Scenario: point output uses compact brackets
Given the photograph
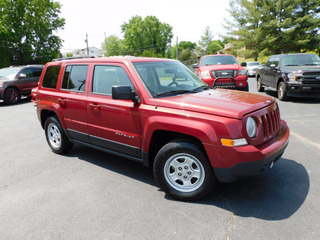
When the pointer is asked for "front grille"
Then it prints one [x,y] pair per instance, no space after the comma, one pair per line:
[271,123]
[224,73]
[311,78]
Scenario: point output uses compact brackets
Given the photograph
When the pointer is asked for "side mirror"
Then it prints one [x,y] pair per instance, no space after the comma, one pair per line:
[243,64]
[22,75]
[195,66]
[124,93]
[273,67]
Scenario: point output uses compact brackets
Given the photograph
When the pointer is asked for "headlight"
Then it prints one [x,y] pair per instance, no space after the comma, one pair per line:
[205,74]
[242,72]
[1,84]
[251,127]
[293,77]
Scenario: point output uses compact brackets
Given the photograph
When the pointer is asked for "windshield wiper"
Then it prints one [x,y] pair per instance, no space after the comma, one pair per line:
[174,92]
[204,87]
[310,64]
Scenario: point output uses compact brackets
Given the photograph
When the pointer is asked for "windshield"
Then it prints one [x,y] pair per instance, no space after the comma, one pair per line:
[218,60]
[168,78]
[9,72]
[253,64]
[300,60]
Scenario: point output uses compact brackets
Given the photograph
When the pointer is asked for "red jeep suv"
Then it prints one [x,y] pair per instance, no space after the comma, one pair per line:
[159,113]
[222,71]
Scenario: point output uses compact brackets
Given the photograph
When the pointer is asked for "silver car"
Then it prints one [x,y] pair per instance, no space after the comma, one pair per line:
[251,67]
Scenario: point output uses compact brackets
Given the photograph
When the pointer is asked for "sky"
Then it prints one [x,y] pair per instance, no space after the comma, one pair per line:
[103,18]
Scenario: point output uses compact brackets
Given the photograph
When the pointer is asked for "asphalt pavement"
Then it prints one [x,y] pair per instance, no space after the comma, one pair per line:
[88,194]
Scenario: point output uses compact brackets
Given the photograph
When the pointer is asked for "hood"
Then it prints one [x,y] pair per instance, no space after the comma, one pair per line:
[221,102]
[221,67]
[311,68]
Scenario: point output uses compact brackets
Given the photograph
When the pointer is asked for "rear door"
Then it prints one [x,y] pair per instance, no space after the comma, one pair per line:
[72,100]
[113,124]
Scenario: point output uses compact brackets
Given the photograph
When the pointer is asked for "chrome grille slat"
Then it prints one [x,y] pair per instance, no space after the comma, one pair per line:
[270,123]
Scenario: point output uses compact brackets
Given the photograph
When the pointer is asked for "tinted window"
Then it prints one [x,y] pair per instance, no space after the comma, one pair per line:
[75,78]
[27,72]
[36,72]
[104,77]
[50,78]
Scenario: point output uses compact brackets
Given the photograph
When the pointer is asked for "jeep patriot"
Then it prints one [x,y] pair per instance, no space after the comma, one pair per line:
[159,113]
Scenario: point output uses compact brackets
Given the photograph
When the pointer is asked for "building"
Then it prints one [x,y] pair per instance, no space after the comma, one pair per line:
[93,51]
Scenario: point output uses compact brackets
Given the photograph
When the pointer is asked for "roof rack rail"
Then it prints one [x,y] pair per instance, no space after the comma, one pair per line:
[70,58]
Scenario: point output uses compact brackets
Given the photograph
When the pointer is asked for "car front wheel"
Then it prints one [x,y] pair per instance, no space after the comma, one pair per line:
[183,171]
[282,92]
[56,137]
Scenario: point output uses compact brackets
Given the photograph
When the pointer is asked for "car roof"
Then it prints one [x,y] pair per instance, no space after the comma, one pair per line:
[108,59]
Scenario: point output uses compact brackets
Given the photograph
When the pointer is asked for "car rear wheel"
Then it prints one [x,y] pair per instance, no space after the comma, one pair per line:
[282,91]
[260,88]
[56,137]
[12,96]
[183,171]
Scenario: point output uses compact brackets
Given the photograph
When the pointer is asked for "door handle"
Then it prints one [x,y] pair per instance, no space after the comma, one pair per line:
[62,102]
[94,106]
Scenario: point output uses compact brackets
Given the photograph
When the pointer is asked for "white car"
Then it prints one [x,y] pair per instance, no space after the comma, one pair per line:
[251,67]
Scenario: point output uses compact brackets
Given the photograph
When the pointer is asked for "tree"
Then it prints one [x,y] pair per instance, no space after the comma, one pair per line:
[215,46]
[205,41]
[274,26]
[27,27]
[113,46]
[147,34]
[183,45]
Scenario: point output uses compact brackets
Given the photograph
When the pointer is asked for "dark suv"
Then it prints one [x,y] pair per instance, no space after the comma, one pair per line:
[159,113]
[18,81]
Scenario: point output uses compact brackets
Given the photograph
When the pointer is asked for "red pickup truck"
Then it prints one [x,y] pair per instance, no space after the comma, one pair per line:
[222,71]
[159,113]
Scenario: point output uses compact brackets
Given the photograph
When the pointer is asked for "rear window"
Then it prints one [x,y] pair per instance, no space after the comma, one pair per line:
[50,78]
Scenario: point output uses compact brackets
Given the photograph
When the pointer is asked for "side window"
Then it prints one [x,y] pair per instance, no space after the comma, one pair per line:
[36,72]
[104,77]
[75,78]
[276,61]
[50,78]
[270,61]
[27,72]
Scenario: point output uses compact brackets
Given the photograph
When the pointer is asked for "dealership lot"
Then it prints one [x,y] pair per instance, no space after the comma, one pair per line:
[89,194]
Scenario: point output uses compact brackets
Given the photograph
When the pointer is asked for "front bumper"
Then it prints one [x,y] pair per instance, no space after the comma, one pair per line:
[252,160]
[303,89]
[239,82]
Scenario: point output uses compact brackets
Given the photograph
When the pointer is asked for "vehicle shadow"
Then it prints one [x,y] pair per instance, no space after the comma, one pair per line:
[22,101]
[274,195]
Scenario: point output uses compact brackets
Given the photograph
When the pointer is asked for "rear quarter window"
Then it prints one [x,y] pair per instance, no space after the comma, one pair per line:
[50,78]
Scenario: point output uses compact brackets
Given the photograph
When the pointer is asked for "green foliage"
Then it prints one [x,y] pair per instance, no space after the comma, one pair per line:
[203,44]
[215,46]
[274,26]
[113,46]
[26,30]
[185,46]
[147,34]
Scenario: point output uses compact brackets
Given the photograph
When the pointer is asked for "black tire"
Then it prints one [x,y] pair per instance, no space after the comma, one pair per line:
[245,89]
[282,91]
[11,96]
[260,88]
[56,137]
[183,171]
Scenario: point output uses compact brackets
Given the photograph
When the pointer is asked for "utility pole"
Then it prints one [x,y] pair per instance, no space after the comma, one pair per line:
[87,44]
[177,48]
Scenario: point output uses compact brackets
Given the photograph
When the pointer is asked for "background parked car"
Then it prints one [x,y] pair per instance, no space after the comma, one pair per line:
[251,67]
[222,71]
[18,81]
